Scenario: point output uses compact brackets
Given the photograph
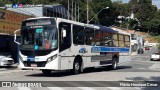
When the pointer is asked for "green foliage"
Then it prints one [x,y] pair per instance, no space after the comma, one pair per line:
[99,8]
[144,11]
[133,5]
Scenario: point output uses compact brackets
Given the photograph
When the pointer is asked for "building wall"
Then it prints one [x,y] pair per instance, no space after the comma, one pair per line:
[34,11]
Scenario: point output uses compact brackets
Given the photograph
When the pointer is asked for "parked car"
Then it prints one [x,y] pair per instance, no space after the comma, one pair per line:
[140,51]
[150,45]
[147,48]
[155,56]
[6,60]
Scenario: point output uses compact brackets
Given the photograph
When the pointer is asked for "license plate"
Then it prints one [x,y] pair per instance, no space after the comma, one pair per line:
[33,65]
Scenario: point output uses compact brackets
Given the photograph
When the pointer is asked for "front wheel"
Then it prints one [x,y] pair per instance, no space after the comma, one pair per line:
[114,63]
[46,72]
[77,67]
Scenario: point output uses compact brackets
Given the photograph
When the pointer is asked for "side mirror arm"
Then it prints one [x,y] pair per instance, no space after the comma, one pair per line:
[15,36]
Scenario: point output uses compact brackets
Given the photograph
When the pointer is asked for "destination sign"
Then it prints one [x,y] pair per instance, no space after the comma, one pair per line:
[38,22]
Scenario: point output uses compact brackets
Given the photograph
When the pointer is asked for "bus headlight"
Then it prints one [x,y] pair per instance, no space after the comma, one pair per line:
[51,58]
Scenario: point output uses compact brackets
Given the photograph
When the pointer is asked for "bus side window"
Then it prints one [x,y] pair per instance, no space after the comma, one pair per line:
[64,41]
[99,38]
[78,35]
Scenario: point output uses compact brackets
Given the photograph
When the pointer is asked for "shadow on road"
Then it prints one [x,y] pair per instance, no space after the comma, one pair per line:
[8,67]
[87,70]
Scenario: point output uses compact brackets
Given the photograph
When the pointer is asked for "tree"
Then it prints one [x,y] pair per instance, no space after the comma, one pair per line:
[145,12]
[103,14]
[133,5]
[120,9]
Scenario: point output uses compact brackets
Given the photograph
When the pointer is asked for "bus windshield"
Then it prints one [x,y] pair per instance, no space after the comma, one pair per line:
[39,37]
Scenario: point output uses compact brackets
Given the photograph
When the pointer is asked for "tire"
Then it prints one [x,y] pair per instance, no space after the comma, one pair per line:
[114,63]
[77,67]
[46,72]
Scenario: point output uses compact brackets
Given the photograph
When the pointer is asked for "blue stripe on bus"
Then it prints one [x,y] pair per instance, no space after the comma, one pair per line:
[109,49]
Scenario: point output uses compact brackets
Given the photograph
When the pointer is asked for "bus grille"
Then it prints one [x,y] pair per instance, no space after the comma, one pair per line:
[38,64]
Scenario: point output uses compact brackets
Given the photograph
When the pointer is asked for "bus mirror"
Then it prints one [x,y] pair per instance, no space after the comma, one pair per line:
[15,37]
[64,33]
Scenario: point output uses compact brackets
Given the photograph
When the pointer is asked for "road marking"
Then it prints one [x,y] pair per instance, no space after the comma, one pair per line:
[143,61]
[142,68]
[55,88]
[114,88]
[81,86]
[155,66]
[11,72]
[3,69]
[24,88]
[86,88]
[138,88]
[142,56]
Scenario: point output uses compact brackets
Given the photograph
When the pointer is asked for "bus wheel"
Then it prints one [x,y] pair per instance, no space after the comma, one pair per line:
[77,67]
[114,63]
[46,72]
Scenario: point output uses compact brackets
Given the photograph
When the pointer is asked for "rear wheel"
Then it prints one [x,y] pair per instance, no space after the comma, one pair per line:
[77,67]
[46,72]
[114,63]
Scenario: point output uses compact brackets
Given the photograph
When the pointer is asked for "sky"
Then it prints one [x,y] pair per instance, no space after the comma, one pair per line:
[154,2]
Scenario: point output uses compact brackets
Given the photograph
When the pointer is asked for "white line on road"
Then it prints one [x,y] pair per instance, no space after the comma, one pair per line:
[12,71]
[106,88]
[144,61]
[86,88]
[155,66]
[81,86]
[141,56]
[24,88]
[114,88]
[3,69]
[55,88]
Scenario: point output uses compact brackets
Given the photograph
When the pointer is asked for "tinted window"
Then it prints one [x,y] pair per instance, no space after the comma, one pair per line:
[78,35]
[64,41]
[99,38]
[89,36]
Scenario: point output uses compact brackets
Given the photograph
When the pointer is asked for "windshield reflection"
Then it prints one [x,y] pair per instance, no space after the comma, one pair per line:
[39,38]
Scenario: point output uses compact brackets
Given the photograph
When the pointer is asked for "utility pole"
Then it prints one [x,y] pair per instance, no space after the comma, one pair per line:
[87,11]
[78,11]
[75,16]
[72,9]
[68,10]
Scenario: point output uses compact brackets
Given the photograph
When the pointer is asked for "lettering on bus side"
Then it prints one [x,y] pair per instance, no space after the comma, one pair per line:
[95,49]
[2,14]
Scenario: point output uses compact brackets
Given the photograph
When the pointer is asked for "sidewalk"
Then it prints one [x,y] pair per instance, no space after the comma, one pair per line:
[133,53]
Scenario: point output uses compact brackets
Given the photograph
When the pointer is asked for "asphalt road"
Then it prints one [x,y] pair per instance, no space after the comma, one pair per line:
[139,69]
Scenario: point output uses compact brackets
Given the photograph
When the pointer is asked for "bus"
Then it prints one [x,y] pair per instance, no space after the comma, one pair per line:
[49,44]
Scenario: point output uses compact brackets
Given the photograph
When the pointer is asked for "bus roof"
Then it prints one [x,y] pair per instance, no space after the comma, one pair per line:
[106,29]
[37,18]
[102,28]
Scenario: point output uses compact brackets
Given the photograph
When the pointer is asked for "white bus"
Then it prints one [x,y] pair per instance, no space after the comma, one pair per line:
[50,44]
